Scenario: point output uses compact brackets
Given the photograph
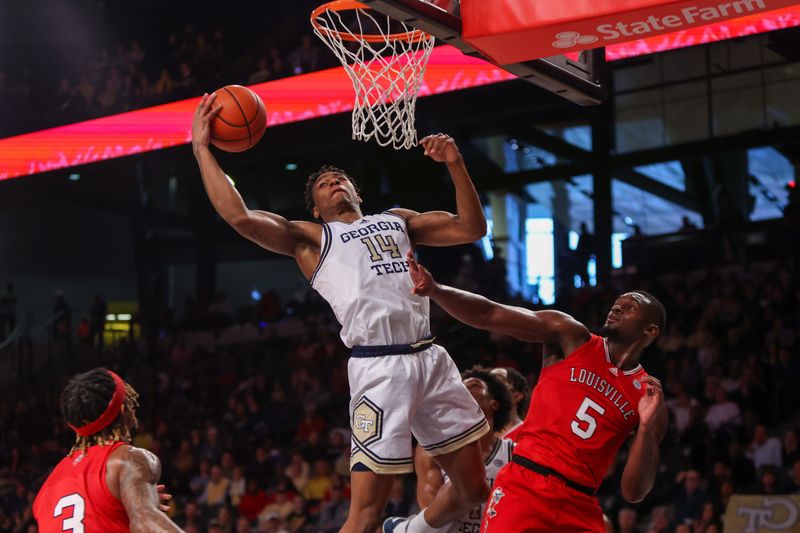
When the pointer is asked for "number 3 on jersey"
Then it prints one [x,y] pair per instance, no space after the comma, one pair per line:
[75,522]
[583,417]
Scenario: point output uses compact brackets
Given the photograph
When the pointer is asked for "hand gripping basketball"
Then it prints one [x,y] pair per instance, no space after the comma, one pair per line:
[201,123]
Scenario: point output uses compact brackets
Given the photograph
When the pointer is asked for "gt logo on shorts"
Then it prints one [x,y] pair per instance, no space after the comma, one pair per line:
[497,495]
[367,421]
[363,424]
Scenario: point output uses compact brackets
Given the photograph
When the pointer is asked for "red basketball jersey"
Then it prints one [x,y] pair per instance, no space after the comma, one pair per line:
[75,496]
[582,410]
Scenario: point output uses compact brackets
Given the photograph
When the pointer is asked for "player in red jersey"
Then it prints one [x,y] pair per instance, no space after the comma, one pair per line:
[584,407]
[104,484]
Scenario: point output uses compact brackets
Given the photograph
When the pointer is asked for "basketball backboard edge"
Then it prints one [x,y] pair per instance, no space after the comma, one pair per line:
[581,82]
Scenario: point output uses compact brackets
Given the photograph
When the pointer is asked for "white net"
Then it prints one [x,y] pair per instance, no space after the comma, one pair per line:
[386,61]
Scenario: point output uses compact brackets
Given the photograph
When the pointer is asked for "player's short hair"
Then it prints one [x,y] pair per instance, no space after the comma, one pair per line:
[519,383]
[498,390]
[86,397]
[655,311]
[312,180]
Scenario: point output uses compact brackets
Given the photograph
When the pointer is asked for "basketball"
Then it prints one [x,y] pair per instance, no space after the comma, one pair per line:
[241,122]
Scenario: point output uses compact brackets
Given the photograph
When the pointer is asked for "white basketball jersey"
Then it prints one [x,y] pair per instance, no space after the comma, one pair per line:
[363,275]
[500,457]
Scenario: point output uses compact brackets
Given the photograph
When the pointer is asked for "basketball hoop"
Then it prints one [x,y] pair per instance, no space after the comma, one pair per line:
[385,60]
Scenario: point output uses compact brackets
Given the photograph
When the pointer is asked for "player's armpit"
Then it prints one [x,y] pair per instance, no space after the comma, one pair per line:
[138,476]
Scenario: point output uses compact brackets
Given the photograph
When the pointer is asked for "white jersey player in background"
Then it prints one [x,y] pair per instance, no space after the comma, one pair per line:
[400,382]
[495,399]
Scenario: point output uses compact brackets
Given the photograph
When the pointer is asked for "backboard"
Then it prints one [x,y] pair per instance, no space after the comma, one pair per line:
[579,78]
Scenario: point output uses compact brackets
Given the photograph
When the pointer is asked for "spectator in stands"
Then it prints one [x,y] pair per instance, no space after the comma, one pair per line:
[298,472]
[626,520]
[398,504]
[253,501]
[187,83]
[299,515]
[198,483]
[165,85]
[224,520]
[262,73]
[243,525]
[690,498]
[238,486]
[216,490]
[276,63]
[767,482]
[304,58]
[311,422]
[319,483]
[281,505]
[722,412]
[682,407]
[764,450]
[333,513]
[791,451]
[794,478]
[743,473]
[192,517]
[659,522]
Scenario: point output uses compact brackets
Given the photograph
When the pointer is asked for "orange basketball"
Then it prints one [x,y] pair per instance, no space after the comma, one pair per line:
[241,122]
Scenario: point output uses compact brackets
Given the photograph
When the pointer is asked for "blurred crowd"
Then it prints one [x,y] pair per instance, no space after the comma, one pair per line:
[255,437]
[130,75]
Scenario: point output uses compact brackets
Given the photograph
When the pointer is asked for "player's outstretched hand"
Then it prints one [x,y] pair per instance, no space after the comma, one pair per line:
[201,123]
[651,402]
[163,498]
[420,277]
[441,148]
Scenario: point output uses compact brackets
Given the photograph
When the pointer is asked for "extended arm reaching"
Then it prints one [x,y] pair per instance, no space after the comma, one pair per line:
[268,230]
[551,327]
[440,228]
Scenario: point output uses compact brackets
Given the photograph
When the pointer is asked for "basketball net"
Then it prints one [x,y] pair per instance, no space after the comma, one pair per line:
[385,66]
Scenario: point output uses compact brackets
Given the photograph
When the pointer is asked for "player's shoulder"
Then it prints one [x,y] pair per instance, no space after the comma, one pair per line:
[143,462]
[401,212]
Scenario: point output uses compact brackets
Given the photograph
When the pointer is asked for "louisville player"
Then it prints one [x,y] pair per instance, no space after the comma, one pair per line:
[401,383]
[520,396]
[104,484]
[584,407]
[494,397]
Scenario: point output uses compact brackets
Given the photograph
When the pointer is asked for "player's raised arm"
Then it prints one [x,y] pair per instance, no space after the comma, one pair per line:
[642,465]
[139,471]
[440,228]
[268,230]
[551,327]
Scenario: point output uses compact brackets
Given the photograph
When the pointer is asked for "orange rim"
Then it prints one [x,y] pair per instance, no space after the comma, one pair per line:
[351,5]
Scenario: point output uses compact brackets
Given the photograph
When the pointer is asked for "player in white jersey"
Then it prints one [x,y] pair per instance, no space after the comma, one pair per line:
[495,399]
[520,397]
[400,382]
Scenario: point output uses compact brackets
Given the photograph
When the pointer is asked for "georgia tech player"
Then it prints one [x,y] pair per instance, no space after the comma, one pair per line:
[400,381]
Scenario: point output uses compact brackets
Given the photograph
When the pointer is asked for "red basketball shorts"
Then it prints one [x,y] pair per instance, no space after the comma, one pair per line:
[523,501]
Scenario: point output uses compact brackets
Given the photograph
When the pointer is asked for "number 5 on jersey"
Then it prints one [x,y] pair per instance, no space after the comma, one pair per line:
[75,522]
[584,417]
